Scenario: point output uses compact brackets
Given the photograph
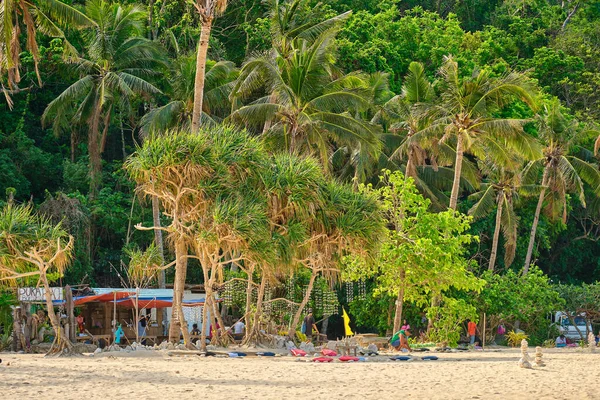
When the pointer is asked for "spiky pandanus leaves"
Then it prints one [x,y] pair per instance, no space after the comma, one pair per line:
[31,245]
[561,169]
[348,223]
[170,167]
[47,17]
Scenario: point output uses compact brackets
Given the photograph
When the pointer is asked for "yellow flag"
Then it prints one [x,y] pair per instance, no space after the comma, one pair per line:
[346,323]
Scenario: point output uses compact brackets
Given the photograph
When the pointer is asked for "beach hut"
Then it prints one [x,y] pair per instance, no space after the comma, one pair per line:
[102,307]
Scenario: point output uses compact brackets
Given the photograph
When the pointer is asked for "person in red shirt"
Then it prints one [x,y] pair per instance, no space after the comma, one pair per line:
[472,330]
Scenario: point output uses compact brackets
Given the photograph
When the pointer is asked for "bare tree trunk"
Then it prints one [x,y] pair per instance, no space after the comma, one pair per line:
[457,172]
[158,239]
[61,341]
[252,325]
[296,320]
[536,219]
[435,302]
[249,289]
[569,16]
[496,233]
[71,313]
[399,305]
[200,72]
[177,318]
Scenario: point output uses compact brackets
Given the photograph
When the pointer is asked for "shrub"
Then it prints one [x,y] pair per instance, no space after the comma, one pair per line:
[515,338]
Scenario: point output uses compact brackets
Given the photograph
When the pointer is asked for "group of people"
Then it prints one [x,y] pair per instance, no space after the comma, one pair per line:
[399,340]
[238,330]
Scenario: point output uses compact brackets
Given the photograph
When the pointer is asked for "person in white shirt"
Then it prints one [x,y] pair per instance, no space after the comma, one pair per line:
[238,329]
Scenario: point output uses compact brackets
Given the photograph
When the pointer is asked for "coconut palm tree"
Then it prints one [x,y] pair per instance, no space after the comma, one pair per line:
[500,191]
[307,108]
[563,170]
[44,16]
[207,10]
[118,62]
[178,112]
[465,117]
[31,245]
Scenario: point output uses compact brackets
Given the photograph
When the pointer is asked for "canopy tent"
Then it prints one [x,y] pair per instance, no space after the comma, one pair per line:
[102,298]
[145,298]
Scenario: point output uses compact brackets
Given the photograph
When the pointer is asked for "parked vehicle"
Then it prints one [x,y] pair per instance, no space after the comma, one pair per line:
[577,331]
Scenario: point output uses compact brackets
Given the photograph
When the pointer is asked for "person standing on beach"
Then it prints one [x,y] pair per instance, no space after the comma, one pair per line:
[472,330]
[309,323]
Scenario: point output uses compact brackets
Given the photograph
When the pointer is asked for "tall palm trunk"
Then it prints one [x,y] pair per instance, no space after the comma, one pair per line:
[536,219]
[158,239]
[496,233]
[94,152]
[457,172]
[178,323]
[200,72]
[399,307]
[410,166]
[296,320]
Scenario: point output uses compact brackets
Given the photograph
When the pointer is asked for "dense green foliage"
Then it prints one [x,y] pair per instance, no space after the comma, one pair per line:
[511,99]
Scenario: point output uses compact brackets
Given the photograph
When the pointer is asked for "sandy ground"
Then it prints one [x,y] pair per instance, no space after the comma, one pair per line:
[569,374]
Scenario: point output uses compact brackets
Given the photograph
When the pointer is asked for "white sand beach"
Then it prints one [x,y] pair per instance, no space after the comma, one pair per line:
[569,374]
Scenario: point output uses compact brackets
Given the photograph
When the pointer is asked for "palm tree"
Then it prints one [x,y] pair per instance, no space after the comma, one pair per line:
[208,10]
[178,112]
[562,170]
[118,62]
[31,245]
[308,107]
[466,117]
[500,191]
[43,16]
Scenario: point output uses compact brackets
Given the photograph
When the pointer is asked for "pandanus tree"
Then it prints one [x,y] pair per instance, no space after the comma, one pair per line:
[178,112]
[206,183]
[500,191]
[47,17]
[33,246]
[307,107]
[207,10]
[115,69]
[465,117]
[169,168]
[562,168]
[291,188]
[348,223]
